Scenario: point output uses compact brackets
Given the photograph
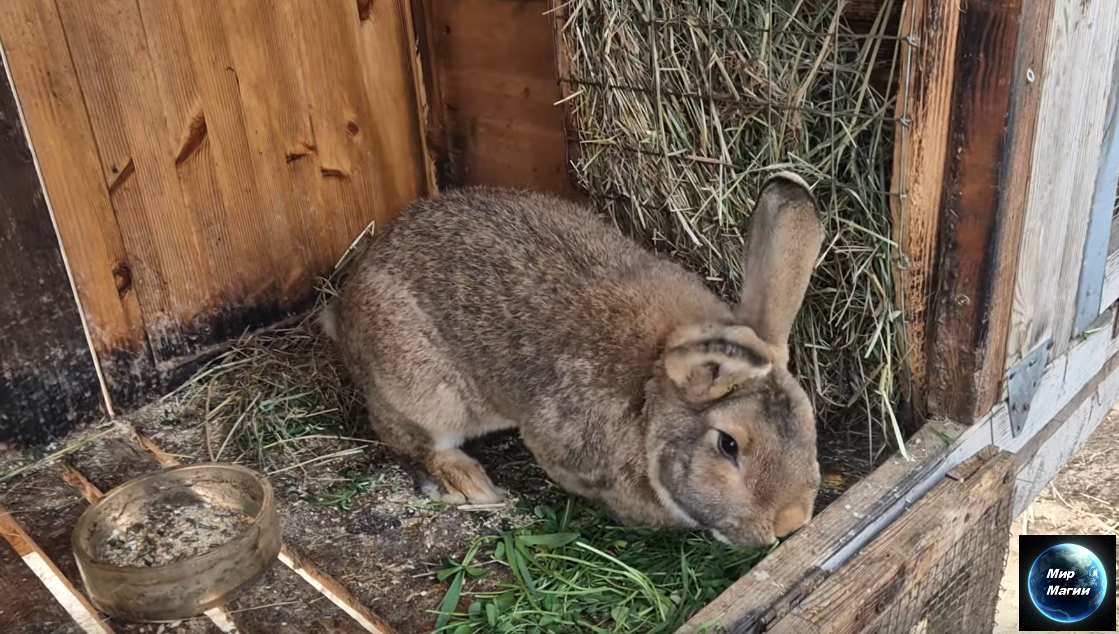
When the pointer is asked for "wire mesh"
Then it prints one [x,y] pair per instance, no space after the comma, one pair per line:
[959,594]
[678,110]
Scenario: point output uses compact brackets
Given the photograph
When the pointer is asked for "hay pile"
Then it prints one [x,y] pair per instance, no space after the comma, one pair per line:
[680,109]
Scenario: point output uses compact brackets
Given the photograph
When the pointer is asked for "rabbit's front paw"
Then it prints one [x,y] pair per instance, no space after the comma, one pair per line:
[462,479]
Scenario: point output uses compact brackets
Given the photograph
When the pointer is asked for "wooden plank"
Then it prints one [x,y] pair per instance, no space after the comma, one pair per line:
[868,591]
[28,606]
[74,602]
[1042,457]
[434,122]
[193,133]
[1018,168]
[1082,43]
[1110,292]
[786,576]
[962,371]
[37,56]
[395,103]
[1063,379]
[496,69]
[1089,293]
[924,108]
[169,267]
[48,378]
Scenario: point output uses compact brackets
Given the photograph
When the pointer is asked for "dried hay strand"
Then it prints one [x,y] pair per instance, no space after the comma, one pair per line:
[277,400]
[680,109]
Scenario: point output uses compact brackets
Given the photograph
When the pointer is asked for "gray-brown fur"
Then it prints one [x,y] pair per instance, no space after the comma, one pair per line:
[484,309]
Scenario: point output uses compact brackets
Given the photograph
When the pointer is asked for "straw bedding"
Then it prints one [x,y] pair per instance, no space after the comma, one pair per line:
[678,110]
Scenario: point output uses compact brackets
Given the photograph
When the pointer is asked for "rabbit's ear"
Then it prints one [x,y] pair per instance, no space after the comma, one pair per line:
[707,362]
[783,244]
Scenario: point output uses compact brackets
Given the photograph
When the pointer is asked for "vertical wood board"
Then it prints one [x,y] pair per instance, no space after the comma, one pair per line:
[48,381]
[924,108]
[1089,293]
[207,163]
[1082,42]
[968,273]
[498,83]
[46,86]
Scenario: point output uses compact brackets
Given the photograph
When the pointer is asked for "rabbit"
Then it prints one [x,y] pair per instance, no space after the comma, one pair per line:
[632,384]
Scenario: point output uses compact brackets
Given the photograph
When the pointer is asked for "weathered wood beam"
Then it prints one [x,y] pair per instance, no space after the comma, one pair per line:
[973,282]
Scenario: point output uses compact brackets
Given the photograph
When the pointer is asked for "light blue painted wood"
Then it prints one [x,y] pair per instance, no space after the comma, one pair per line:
[1090,290]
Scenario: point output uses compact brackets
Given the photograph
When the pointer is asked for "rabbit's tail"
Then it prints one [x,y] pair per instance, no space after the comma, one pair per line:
[328,320]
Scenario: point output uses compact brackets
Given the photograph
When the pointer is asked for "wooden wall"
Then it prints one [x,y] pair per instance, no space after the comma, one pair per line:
[47,377]
[1011,146]
[492,83]
[1070,143]
[206,161]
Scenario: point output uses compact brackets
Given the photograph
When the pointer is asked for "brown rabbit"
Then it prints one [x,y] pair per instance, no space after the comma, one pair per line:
[631,383]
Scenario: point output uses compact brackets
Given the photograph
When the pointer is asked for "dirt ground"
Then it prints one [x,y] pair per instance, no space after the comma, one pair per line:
[1082,500]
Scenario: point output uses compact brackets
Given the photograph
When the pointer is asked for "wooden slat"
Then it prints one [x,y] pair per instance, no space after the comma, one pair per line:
[1089,293]
[1110,292]
[857,599]
[924,108]
[962,370]
[1018,168]
[1081,49]
[395,98]
[48,380]
[1056,443]
[73,601]
[38,58]
[496,69]
[1064,378]
[170,269]
[28,605]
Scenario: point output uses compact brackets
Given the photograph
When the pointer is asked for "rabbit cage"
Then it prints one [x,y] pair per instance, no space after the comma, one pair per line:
[180,180]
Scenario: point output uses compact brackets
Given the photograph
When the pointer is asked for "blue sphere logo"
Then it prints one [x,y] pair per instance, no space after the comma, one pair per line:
[1067,583]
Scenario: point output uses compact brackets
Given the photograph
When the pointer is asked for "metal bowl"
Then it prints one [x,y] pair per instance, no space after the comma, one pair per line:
[189,587]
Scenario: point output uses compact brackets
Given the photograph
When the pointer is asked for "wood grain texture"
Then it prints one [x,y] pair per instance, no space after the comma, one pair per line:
[1063,379]
[496,68]
[48,381]
[234,150]
[878,584]
[962,371]
[1089,293]
[1025,101]
[924,108]
[1081,49]
[1110,292]
[38,58]
[1056,443]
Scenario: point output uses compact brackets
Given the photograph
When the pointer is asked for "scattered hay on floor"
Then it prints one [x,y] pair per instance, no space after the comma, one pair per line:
[681,109]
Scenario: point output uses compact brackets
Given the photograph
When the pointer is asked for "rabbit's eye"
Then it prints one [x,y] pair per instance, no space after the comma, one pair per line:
[728,445]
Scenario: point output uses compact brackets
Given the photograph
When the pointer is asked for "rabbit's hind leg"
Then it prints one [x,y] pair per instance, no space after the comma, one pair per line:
[430,431]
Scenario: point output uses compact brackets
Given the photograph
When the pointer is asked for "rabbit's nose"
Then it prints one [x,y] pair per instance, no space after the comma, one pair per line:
[791,518]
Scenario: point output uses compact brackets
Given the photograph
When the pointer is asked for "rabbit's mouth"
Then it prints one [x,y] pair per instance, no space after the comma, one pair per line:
[751,543]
